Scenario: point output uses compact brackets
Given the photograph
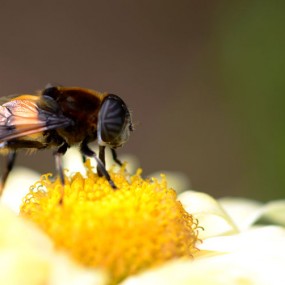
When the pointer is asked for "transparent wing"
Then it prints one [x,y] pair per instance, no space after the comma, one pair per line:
[22,116]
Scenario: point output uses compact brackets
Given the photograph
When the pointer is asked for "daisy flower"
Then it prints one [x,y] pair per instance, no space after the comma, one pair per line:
[141,233]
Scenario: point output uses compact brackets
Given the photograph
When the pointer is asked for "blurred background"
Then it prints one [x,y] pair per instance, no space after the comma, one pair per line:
[204,80]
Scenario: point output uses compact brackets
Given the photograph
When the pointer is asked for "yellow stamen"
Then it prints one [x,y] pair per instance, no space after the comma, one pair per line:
[139,225]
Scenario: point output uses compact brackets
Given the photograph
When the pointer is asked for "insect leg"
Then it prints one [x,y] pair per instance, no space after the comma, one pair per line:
[58,160]
[102,158]
[85,150]
[9,166]
[58,165]
[115,157]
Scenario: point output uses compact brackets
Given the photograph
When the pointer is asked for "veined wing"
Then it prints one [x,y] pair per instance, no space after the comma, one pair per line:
[21,117]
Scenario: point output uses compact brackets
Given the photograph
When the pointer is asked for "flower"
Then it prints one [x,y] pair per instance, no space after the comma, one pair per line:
[141,233]
[17,186]
[234,250]
[138,226]
[27,257]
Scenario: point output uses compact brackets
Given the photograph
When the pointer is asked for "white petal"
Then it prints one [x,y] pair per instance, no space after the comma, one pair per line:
[18,232]
[261,239]
[18,184]
[25,252]
[27,256]
[66,271]
[274,211]
[210,214]
[244,267]
[244,212]
[23,266]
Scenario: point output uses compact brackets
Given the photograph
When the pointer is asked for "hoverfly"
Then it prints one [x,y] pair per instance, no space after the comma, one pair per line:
[60,117]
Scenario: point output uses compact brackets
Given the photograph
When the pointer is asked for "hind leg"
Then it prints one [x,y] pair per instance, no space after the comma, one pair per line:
[58,161]
[9,166]
[58,165]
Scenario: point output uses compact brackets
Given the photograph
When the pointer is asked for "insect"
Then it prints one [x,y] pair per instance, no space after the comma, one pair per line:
[60,117]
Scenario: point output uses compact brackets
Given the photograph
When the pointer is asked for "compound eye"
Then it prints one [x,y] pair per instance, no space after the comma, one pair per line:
[114,122]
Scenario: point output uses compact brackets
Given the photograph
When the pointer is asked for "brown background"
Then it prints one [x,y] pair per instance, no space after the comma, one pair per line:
[204,80]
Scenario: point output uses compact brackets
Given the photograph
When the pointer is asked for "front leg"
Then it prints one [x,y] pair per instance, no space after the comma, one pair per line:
[115,157]
[102,158]
[85,150]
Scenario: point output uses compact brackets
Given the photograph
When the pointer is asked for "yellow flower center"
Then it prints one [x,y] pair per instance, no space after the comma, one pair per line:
[139,225]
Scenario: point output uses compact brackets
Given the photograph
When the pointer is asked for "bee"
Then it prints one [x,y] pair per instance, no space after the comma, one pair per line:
[60,117]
